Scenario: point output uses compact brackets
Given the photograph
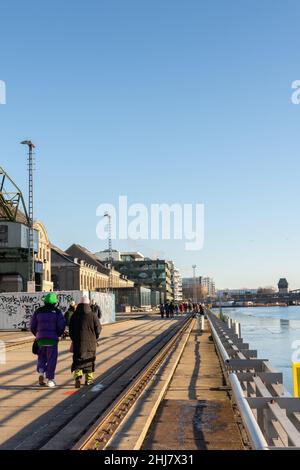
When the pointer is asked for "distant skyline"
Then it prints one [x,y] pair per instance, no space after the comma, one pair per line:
[165,102]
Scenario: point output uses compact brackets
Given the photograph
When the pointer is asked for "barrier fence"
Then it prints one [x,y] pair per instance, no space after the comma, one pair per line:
[271,416]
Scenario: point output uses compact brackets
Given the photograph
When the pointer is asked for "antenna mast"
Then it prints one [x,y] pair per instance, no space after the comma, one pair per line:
[31,146]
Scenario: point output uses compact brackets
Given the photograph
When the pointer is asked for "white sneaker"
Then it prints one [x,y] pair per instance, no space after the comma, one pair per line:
[51,383]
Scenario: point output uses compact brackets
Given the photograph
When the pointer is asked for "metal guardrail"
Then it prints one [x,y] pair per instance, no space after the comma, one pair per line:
[270,415]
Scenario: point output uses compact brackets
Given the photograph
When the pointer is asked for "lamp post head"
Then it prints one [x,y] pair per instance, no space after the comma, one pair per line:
[29,143]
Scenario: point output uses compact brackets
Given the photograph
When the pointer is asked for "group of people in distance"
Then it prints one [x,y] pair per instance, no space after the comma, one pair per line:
[169,309]
[81,322]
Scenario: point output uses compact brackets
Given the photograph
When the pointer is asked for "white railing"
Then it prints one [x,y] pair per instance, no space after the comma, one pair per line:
[270,415]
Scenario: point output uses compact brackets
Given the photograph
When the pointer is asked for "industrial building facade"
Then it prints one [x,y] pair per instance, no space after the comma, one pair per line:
[145,272]
[78,267]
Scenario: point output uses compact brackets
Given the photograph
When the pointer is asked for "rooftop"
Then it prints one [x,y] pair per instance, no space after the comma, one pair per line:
[78,251]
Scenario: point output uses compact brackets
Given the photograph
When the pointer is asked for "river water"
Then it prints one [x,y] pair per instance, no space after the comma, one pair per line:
[273,331]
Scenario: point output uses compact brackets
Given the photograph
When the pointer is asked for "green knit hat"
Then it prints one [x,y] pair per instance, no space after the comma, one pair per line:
[50,298]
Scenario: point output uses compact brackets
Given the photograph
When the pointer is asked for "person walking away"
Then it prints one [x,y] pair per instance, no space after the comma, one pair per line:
[68,315]
[167,309]
[171,309]
[162,310]
[185,307]
[96,309]
[201,309]
[47,325]
[85,329]
[181,308]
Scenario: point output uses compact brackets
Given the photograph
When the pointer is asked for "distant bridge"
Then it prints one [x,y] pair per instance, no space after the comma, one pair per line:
[291,296]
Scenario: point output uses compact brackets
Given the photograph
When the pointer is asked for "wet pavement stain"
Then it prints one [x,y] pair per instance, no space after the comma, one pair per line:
[192,424]
[206,418]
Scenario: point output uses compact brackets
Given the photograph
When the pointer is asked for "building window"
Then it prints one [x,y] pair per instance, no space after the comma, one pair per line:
[3,233]
[54,279]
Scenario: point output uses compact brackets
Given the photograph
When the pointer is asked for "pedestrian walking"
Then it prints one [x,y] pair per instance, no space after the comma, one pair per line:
[69,312]
[162,310]
[96,309]
[47,325]
[171,309]
[167,309]
[68,315]
[85,329]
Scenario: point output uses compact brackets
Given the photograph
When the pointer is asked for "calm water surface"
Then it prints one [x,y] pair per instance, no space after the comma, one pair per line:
[272,331]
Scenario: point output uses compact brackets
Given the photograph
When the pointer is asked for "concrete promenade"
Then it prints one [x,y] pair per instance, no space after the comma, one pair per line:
[196,411]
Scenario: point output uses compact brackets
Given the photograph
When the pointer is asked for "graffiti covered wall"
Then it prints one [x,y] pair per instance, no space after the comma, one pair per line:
[16,308]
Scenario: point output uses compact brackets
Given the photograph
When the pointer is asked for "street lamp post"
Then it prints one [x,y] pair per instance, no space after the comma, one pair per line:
[195,287]
[110,283]
[31,275]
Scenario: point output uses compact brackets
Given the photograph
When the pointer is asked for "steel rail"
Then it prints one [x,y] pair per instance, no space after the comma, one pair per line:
[97,437]
[11,345]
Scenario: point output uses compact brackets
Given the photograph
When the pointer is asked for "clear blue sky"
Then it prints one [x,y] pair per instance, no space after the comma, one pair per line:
[163,101]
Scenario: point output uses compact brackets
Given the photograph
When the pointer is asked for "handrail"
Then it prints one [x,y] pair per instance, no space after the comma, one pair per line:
[218,342]
[256,386]
[255,434]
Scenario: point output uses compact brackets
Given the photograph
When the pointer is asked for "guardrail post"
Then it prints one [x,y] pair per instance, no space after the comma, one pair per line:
[238,329]
[202,322]
[229,322]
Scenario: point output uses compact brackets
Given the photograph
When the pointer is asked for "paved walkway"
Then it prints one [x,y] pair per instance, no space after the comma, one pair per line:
[196,412]
[30,414]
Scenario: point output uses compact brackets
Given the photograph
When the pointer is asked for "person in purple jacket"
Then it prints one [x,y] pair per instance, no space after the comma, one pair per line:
[47,325]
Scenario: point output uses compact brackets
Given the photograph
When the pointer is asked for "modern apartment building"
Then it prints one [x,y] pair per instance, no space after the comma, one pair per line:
[198,288]
[176,283]
[146,272]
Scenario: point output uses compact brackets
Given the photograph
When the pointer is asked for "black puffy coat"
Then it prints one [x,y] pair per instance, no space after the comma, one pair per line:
[84,330]
[97,310]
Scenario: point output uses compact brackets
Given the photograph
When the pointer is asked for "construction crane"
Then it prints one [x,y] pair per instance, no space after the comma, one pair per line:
[11,199]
